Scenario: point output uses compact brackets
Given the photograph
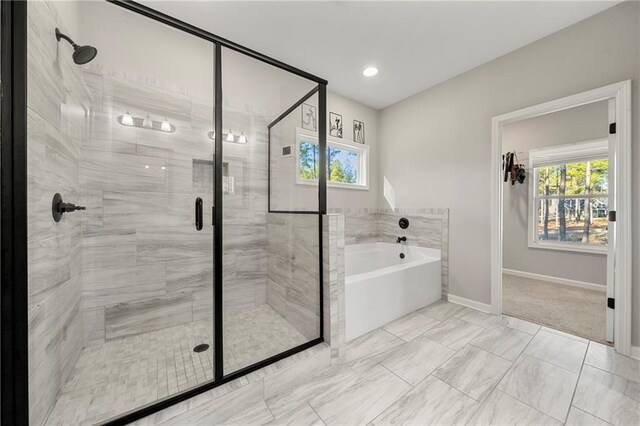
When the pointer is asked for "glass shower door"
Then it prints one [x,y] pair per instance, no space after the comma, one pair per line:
[120,294]
[270,261]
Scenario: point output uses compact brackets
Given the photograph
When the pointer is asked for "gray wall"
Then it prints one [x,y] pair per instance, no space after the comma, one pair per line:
[436,147]
[583,123]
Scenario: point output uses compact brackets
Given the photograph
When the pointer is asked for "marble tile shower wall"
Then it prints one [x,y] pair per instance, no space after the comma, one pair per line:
[293,270]
[427,228]
[145,266]
[333,226]
[57,104]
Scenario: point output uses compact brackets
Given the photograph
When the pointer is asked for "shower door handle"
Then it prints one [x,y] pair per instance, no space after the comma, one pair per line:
[199,220]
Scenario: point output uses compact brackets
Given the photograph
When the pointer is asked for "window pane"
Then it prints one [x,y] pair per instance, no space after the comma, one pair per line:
[574,178]
[343,165]
[309,160]
[579,220]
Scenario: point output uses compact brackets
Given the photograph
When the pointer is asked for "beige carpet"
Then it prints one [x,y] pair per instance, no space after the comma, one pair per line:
[573,310]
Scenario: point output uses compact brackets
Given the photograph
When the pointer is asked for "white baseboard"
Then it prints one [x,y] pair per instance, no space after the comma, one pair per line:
[635,352]
[478,306]
[556,280]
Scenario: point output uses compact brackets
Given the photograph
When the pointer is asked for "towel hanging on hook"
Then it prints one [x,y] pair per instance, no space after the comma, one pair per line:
[512,169]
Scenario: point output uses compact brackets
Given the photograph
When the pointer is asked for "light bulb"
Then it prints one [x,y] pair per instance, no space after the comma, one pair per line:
[147,122]
[370,71]
[230,137]
[127,119]
[242,138]
[166,126]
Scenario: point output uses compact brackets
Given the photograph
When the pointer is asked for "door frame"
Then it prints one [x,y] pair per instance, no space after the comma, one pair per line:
[620,96]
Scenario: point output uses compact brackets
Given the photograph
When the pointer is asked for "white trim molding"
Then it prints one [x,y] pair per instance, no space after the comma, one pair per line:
[478,306]
[635,352]
[619,95]
[556,280]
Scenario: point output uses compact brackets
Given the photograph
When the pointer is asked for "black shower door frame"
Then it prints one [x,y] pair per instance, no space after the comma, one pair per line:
[14,371]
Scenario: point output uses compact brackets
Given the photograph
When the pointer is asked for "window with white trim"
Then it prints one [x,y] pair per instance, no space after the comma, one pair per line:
[568,197]
[347,162]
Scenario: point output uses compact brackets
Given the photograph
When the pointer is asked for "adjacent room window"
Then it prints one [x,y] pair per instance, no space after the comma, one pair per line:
[347,162]
[568,197]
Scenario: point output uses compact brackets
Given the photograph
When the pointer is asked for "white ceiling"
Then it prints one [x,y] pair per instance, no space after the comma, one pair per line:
[415,45]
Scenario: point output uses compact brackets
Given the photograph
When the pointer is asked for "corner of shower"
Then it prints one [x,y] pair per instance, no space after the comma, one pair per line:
[178,253]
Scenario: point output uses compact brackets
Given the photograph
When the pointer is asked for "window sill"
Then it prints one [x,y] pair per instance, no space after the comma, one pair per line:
[335,185]
[572,247]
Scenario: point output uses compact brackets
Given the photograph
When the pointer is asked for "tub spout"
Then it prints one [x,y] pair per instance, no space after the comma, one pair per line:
[401,239]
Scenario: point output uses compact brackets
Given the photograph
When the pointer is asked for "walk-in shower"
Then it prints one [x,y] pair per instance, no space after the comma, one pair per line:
[172,275]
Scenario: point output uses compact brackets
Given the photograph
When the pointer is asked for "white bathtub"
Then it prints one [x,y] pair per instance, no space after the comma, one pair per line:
[381,287]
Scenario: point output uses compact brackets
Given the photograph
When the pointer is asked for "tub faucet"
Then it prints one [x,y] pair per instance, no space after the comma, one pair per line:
[401,239]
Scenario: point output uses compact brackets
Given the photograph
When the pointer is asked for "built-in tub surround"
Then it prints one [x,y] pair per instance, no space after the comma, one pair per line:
[428,227]
[385,281]
[333,247]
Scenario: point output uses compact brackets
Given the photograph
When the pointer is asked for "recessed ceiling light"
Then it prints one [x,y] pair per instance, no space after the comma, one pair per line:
[370,71]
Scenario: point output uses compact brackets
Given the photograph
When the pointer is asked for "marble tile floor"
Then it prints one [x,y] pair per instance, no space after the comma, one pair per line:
[466,367]
[124,374]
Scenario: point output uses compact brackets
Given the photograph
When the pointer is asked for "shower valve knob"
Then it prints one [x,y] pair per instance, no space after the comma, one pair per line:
[69,207]
[58,207]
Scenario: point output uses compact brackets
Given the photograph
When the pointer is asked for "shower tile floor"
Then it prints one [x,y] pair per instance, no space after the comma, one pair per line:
[443,365]
[124,374]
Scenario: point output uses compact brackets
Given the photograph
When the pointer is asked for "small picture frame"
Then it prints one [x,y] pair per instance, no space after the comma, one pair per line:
[335,125]
[358,131]
[309,117]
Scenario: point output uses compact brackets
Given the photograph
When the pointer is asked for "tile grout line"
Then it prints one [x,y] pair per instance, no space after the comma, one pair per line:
[528,405]
[575,388]
[390,371]
[609,372]
[492,387]
[274,418]
[550,363]
[588,413]
[511,368]
[521,401]
[314,410]
[500,356]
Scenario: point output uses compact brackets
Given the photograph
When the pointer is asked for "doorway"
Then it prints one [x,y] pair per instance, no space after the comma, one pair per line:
[561,251]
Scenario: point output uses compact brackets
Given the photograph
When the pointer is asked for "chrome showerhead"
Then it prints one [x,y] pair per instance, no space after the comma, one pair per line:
[81,54]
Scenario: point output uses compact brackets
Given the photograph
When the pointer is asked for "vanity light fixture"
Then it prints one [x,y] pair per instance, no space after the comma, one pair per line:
[147,123]
[242,138]
[370,71]
[228,136]
[127,119]
[166,126]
